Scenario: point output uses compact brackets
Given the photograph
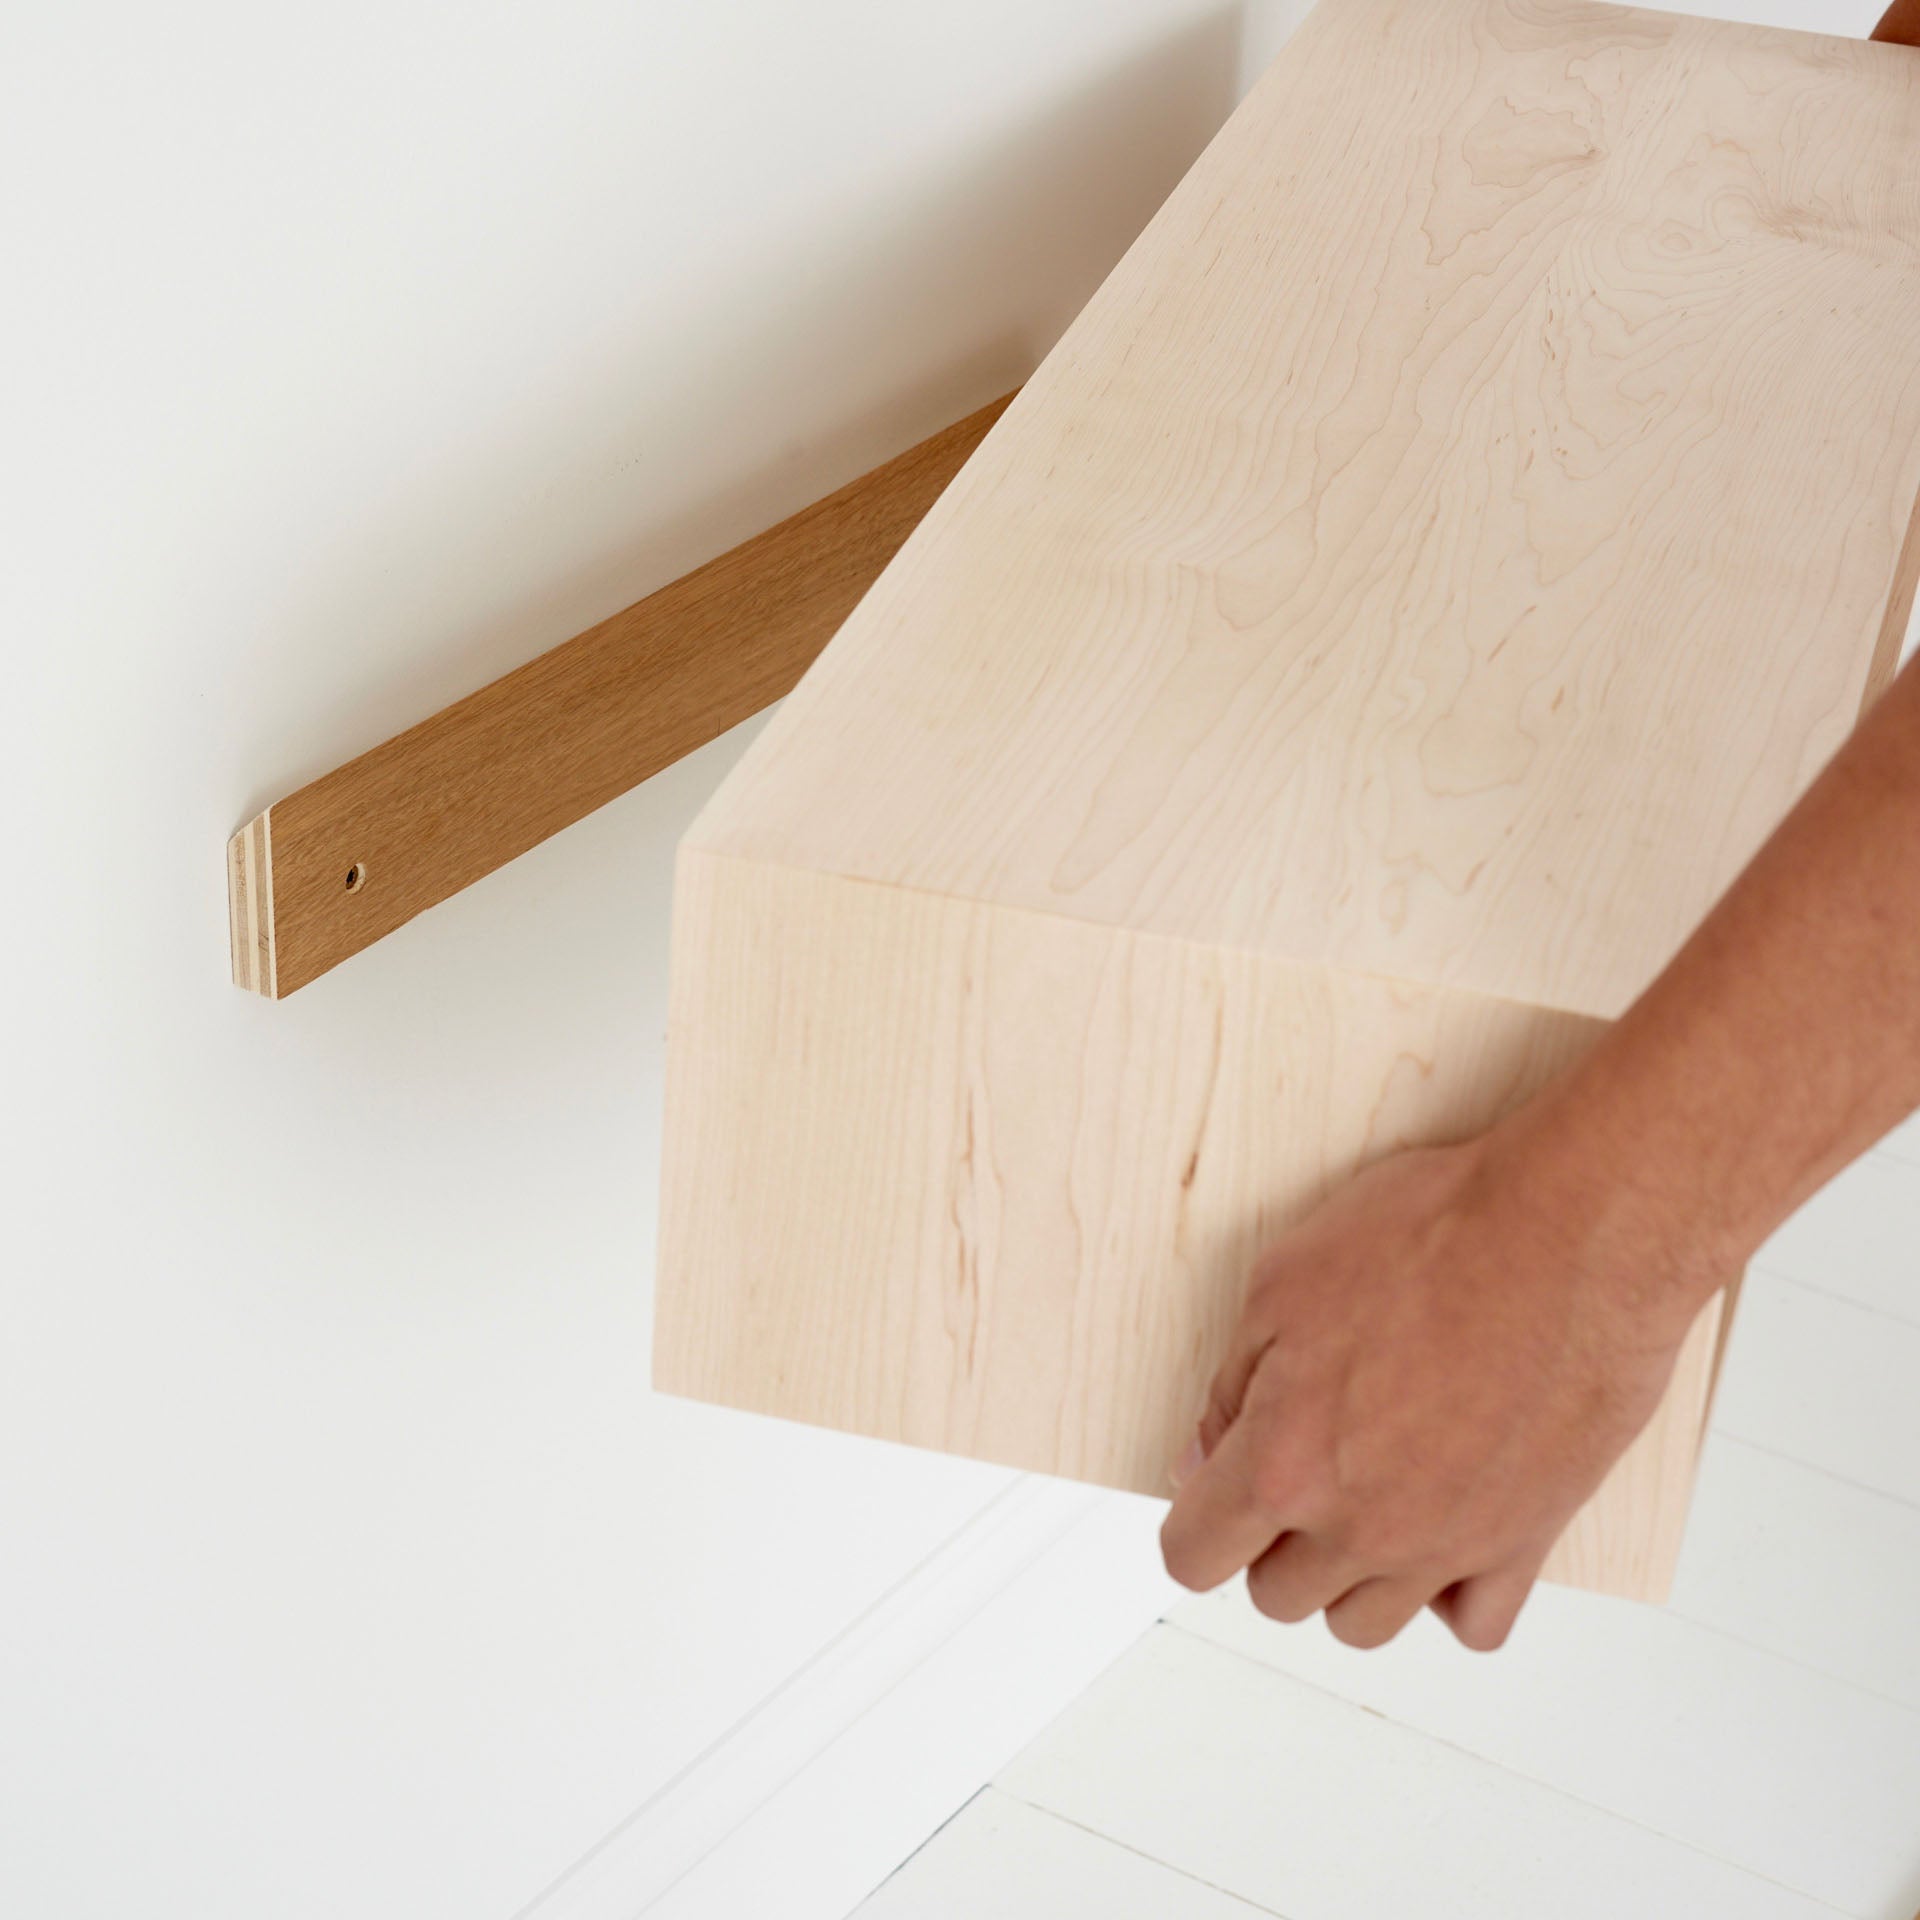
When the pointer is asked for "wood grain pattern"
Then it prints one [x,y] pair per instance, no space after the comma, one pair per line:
[443,804]
[1438,556]
[992,1181]
[1448,542]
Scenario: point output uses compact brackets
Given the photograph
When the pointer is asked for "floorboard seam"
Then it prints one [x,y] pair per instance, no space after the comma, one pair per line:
[1814,1466]
[1910,1321]
[1545,1786]
[1140,1853]
[1793,1660]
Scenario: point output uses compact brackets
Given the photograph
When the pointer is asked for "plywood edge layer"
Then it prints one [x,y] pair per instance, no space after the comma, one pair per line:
[250,905]
[987,1181]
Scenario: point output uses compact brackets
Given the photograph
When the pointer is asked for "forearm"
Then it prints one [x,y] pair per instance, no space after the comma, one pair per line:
[1901,25]
[1782,1041]
[1436,1368]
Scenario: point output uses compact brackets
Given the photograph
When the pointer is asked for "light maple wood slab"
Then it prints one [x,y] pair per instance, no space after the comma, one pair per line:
[360,851]
[1424,574]
[991,1181]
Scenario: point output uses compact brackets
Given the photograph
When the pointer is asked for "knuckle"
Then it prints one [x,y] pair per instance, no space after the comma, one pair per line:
[1387,1541]
[1366,1541]
[1276,1484]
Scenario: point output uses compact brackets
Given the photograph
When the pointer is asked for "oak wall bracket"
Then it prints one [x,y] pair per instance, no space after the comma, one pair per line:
[360,851]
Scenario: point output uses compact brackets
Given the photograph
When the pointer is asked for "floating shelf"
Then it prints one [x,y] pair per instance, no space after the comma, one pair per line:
[1430,567]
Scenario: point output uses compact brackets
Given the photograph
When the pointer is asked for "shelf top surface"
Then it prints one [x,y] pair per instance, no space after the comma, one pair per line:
[1449,541]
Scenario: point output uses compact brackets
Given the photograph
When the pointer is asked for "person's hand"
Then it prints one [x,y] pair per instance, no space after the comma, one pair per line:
[1432,1373]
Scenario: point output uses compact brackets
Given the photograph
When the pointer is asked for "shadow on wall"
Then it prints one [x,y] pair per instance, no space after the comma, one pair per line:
[931,297]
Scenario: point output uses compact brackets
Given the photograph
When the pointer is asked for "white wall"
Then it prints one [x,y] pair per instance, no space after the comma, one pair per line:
[350,354]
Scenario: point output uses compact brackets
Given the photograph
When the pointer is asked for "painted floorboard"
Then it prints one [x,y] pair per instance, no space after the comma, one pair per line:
[1000,1859]
[1859,1237]
[1826,1382]
[1683,1731]
[1244,1777]
[1903,1143]
[946,1722]
[1822,1572]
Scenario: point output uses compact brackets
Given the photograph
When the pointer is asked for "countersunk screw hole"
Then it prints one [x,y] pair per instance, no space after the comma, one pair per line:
[356,876]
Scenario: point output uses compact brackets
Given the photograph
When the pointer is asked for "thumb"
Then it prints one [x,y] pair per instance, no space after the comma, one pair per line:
[1481,1611]
[1294,1258]
[1226,1394]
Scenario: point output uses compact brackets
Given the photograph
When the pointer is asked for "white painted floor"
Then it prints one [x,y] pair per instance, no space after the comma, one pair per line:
[1751,1752]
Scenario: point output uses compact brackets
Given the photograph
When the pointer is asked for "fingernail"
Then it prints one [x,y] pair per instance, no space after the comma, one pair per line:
[1188,1464]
